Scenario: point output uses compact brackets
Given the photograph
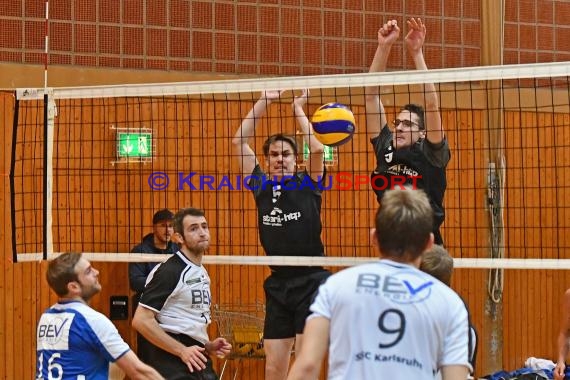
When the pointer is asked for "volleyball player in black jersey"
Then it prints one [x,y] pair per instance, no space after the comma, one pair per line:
[289,207]
[416,147]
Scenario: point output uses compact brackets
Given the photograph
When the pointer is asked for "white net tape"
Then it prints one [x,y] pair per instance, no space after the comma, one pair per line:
[562,264]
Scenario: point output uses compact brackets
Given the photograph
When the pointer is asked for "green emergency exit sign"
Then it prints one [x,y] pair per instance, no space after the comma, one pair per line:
[329,152]
[134,145]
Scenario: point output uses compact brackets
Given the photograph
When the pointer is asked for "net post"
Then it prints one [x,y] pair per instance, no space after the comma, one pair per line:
[11,175]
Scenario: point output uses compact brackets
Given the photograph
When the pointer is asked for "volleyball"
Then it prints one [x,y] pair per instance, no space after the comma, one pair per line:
[333,124]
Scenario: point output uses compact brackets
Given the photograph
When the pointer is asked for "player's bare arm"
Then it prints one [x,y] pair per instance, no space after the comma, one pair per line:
[242,148]
[414,43]
[563,337]
[315,163]
[144,321]
[375,113]
[135,369]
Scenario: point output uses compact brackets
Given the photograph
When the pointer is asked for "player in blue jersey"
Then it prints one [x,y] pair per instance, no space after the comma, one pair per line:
[388,320]
[73,340]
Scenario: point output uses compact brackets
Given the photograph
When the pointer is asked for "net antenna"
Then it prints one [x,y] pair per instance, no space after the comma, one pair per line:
[49,122]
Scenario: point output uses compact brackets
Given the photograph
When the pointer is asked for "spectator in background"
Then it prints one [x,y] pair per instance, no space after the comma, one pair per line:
[157,242]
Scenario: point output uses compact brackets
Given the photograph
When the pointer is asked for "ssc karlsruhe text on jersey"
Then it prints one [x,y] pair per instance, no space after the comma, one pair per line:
[76,342]
[179,292]
[405,323]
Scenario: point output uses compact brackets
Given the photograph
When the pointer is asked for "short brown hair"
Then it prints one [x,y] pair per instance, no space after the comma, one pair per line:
[404,223]
[438,263]
[61,271]
[181,214]
[280,137]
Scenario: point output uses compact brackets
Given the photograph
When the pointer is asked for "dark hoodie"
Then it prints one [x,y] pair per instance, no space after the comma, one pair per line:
[138,272]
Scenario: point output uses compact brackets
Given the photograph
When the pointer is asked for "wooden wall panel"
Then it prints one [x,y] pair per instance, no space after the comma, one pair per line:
[536,219]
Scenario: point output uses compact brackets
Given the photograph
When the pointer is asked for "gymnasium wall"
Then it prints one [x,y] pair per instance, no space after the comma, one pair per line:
[107,41]
[288,37]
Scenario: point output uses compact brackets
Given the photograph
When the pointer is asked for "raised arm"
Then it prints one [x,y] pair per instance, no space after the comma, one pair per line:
[242,149]
[375,114]
[315,163]
[563,337]
[414,43]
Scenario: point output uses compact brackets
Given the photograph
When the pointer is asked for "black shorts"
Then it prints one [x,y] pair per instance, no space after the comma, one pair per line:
[287,302]
[172,368]
[143,348]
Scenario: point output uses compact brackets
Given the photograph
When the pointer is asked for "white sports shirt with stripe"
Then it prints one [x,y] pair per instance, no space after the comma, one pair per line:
[76,342]
[391,321]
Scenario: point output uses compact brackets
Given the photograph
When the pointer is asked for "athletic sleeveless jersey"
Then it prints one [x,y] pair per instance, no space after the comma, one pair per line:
[421,159]
[75,342]
[179,292]
[289,217]
[391,321]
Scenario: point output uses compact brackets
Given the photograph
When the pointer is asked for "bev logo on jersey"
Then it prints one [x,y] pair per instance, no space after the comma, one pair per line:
[52,339]
[53,331]
[403,287]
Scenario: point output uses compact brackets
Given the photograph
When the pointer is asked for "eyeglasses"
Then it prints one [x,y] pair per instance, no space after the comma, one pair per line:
[407,123]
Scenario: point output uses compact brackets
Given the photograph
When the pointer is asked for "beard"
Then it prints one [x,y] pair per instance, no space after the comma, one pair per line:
[87,292]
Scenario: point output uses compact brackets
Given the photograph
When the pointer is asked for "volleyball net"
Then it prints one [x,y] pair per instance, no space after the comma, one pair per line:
[89,177]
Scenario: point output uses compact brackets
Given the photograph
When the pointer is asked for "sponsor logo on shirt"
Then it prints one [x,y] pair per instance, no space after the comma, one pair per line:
[403,170]
[277,218]
[53,331]
[401,287]
[192,281]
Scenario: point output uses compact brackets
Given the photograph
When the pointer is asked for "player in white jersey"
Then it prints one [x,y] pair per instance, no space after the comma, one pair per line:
[73,340]
[174,310]
[388,320]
